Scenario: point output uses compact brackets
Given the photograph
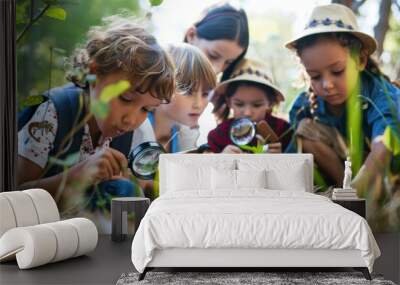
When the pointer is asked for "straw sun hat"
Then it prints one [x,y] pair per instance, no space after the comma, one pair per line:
[249,70]
[334,18]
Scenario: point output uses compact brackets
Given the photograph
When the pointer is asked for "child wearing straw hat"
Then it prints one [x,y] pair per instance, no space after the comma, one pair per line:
[249,93]
[345,81]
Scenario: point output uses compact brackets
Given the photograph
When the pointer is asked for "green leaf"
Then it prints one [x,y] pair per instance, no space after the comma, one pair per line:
[32,100]
[391,140]
[72,159]
[56,13]
[20,13]
[319,180]
[101,203]
[99,108]
[56,161]
[253,149]
[114,90]
[50,2]
[155,2]
[355,114]
[59,50]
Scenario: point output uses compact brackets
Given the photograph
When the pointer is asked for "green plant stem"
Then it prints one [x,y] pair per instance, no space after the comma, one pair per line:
[67,138]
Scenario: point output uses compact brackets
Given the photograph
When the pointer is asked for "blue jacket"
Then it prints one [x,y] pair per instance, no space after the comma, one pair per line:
[380,102]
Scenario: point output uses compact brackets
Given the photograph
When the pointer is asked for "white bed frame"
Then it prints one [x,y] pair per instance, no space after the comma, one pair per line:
[250,258]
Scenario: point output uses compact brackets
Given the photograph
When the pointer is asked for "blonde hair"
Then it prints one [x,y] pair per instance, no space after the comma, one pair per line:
[193,70]
[122,45]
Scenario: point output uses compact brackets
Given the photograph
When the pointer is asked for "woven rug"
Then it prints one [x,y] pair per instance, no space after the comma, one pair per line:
[230,278]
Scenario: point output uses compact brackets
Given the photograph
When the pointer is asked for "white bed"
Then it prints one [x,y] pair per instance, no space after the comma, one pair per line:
[218,210]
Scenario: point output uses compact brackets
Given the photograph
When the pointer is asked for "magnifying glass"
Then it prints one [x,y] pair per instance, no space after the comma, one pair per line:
[143,159]
[242,131]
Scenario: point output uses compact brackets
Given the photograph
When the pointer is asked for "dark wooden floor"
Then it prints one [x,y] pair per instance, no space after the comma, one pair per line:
[389,262]
[102,266]
[111,259]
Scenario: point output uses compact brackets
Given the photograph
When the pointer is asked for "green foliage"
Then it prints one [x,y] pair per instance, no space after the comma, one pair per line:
[156,187]
[71,160]
[155,2]
[114,90]
[20,17]
[319,180]
[56,13]
[50,2]
[31,101]
[101,202]
[354,116]
[99,108]
[33,61]
[391,140]
[253,149]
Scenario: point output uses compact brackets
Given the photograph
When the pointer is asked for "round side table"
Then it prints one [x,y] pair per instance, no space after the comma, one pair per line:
[120,207]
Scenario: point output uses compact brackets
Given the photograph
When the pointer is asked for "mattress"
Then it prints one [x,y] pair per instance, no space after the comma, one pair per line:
[250,219]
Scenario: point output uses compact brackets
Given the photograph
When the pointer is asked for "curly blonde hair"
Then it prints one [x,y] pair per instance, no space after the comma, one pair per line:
[123,45]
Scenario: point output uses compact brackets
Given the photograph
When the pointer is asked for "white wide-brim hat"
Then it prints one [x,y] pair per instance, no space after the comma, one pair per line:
[249,70]
[334,18]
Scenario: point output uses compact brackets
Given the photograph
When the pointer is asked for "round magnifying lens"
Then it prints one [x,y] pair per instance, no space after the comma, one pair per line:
[143,160]
[242,131]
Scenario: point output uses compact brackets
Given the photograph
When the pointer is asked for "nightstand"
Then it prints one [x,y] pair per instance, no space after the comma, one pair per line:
[355,205]
[120,207]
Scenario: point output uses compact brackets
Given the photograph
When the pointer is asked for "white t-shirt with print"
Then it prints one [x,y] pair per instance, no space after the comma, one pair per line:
[36,138]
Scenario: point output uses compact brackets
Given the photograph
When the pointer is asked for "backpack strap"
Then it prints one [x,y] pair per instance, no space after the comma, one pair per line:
[26,114]
[68,102]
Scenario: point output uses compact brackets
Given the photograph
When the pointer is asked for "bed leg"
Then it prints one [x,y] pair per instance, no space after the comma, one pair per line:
[143,274]
[364,271]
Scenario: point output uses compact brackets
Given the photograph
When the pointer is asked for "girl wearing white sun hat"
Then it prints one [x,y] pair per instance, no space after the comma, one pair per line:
[336,57]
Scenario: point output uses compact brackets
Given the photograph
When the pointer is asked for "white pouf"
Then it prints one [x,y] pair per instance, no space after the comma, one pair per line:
[31,232]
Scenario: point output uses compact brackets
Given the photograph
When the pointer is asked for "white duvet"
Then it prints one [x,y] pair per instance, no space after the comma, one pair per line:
[253,218]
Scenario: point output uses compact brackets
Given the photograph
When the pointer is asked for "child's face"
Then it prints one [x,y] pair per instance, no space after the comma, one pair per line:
[186,109]
[250,102]
[127,111]
[333,72]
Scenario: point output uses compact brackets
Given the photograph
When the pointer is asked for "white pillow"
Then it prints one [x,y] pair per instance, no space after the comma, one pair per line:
[296,181]
[281,174]
[223,179]
[187,177]
[251,178]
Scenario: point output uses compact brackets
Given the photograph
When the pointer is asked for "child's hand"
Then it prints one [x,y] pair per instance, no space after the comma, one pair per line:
[102,165]
[127,174]
[274,147]
[232,149]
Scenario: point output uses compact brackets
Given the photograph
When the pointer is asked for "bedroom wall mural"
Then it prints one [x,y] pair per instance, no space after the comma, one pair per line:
[48,33]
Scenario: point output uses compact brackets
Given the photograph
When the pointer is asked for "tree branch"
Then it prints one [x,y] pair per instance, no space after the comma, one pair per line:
[32,21]
[356,5]
[353,5]
[397,4]
[382,26]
